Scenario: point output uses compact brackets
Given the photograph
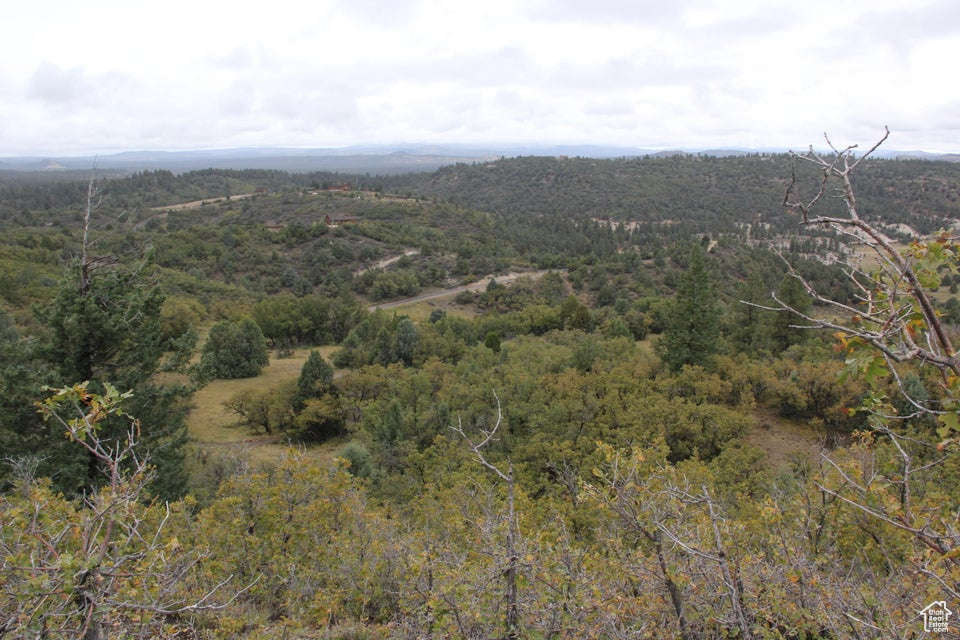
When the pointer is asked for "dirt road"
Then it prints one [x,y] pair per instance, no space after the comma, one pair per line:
[387,262]
[200,203]
[479,285]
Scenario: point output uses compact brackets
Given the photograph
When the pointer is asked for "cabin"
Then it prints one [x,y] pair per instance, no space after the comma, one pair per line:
[334,219]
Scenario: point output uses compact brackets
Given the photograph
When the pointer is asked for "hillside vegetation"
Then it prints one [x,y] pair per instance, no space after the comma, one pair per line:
[636,439]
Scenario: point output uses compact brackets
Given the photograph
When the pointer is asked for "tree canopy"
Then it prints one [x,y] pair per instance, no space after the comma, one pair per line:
[691,335]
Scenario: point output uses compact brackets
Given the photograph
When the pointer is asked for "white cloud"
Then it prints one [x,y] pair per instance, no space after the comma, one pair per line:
[108,75]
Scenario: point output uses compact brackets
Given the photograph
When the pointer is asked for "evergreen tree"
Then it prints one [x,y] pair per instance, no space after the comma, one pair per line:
[105,327]
[406,340]
[793,295]
[234,350]
[385,347]
[316,378]
[692,332]
[24,437]
[749,325]
[318,413]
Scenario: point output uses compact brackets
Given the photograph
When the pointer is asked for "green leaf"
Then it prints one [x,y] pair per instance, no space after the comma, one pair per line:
[950,422]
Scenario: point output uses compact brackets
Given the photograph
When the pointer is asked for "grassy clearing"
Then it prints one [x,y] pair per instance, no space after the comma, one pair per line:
[420,311]
[210,424]
[784,440]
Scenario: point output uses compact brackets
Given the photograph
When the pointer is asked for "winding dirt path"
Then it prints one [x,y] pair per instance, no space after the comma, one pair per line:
[479,285]
[200,203]
[387,261]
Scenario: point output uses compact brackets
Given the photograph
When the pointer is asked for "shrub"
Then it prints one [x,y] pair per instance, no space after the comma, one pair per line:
[234,350]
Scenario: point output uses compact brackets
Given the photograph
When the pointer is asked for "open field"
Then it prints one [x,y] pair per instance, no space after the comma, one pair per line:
[420,309]
[211,426]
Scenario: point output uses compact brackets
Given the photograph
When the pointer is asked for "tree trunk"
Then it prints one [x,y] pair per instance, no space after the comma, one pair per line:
[676,598]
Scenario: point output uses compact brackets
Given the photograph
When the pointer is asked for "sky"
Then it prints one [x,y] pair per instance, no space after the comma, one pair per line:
[101,76]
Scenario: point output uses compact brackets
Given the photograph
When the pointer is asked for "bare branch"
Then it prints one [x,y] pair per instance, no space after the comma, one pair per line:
[488,436]
[939,349]
[511,572]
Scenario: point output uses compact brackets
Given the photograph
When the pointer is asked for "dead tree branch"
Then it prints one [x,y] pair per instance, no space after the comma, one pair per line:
[511,572]
[888,298]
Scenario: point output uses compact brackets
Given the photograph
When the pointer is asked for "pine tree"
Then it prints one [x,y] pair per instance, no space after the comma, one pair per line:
[748,326]
[316,378]
[24,438]
[105,327]
[406,340]
[783,332]
[692,333]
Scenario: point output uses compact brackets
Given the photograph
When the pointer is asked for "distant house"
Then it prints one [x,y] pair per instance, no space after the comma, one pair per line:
[260,190]
[334,219]
[346,186]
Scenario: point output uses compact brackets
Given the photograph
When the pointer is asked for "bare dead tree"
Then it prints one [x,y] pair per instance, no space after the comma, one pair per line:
[719,555]
[892,326]
[511,572]
[895,314]
[631,491]
[90,262]
[661,514]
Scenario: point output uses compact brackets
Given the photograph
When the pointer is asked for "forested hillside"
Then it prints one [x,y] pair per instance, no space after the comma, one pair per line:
[712,193]
[693,412]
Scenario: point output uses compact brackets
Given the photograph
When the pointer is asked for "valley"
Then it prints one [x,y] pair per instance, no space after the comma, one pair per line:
[525,397]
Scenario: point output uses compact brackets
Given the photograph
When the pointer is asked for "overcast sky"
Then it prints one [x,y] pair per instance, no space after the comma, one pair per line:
[101,76]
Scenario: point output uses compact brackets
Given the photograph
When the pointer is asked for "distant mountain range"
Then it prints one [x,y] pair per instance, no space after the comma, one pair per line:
[366,159]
